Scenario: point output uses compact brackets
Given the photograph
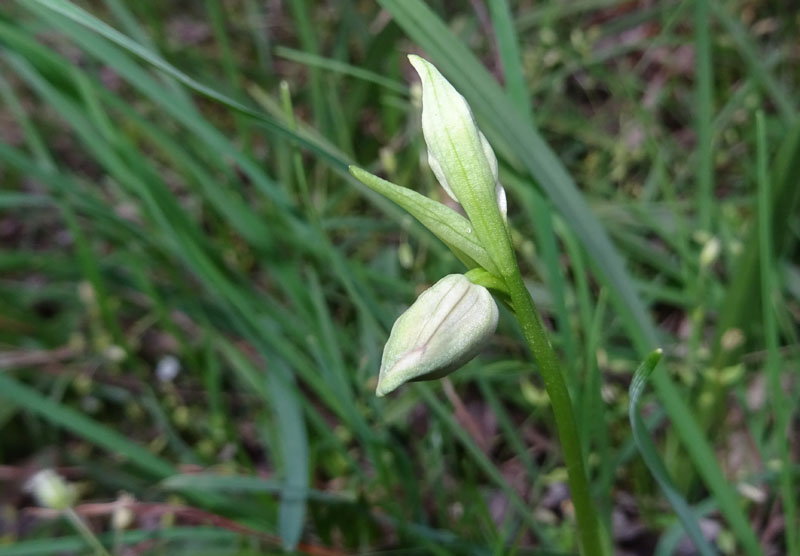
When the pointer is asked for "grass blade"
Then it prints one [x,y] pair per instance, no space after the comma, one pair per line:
[769,292]
[337,66]
[195,537]
[650,456]
[246,484]
[740,308]
[31,400]
[277,389]
[294,452]
[74,13]
[754,61]
[508,45]
[704,92]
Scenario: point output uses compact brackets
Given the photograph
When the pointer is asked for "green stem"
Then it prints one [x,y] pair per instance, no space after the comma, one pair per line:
[90,538]
[545,356]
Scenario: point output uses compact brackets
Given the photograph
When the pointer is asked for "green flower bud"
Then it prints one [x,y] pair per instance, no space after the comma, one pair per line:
[445,327]
[458,153]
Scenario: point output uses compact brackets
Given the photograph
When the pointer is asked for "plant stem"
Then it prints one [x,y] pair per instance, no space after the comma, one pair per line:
[556,386]
[85,532]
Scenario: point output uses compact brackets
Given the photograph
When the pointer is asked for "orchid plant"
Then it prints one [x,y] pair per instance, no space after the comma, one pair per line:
[452,320]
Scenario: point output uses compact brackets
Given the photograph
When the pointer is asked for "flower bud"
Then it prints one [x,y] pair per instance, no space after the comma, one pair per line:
[444,328]
[710,252]
[123,515]
[458,153]
[51,490]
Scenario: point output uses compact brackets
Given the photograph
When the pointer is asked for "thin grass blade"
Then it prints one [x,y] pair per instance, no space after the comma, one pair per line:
[650,456]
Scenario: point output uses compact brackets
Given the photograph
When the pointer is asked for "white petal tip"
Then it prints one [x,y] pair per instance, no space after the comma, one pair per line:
[384,388]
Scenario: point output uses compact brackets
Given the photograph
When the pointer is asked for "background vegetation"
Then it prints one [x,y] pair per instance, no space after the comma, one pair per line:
[194,294]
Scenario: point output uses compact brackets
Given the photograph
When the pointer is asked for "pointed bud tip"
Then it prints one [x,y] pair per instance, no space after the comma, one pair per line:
[359,173]
[384,388]
[420,64]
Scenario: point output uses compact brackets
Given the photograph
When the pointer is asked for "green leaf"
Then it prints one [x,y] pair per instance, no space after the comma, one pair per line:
[445,223]
[650,456]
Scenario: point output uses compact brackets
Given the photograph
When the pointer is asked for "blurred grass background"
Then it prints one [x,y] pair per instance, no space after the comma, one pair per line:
[194,294]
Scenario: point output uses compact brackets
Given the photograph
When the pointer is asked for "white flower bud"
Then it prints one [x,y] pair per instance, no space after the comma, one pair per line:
[51,490]
[710,252]
[168,368]
[445,327]
[123,515]
[458,153]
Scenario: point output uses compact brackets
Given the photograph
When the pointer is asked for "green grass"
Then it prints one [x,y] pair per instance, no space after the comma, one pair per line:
[175,183]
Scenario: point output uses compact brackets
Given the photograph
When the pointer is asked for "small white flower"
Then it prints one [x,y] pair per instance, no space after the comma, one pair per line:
[50,490]
[710,252]
[168,368]
[115,353]
[445,327]
[123,515]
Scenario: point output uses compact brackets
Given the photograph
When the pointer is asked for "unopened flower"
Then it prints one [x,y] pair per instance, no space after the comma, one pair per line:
[123,516]
[445,327]
[458,153]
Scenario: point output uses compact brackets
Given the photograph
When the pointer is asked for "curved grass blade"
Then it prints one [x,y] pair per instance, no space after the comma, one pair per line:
[76,14]
[653,461]
[668,543]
